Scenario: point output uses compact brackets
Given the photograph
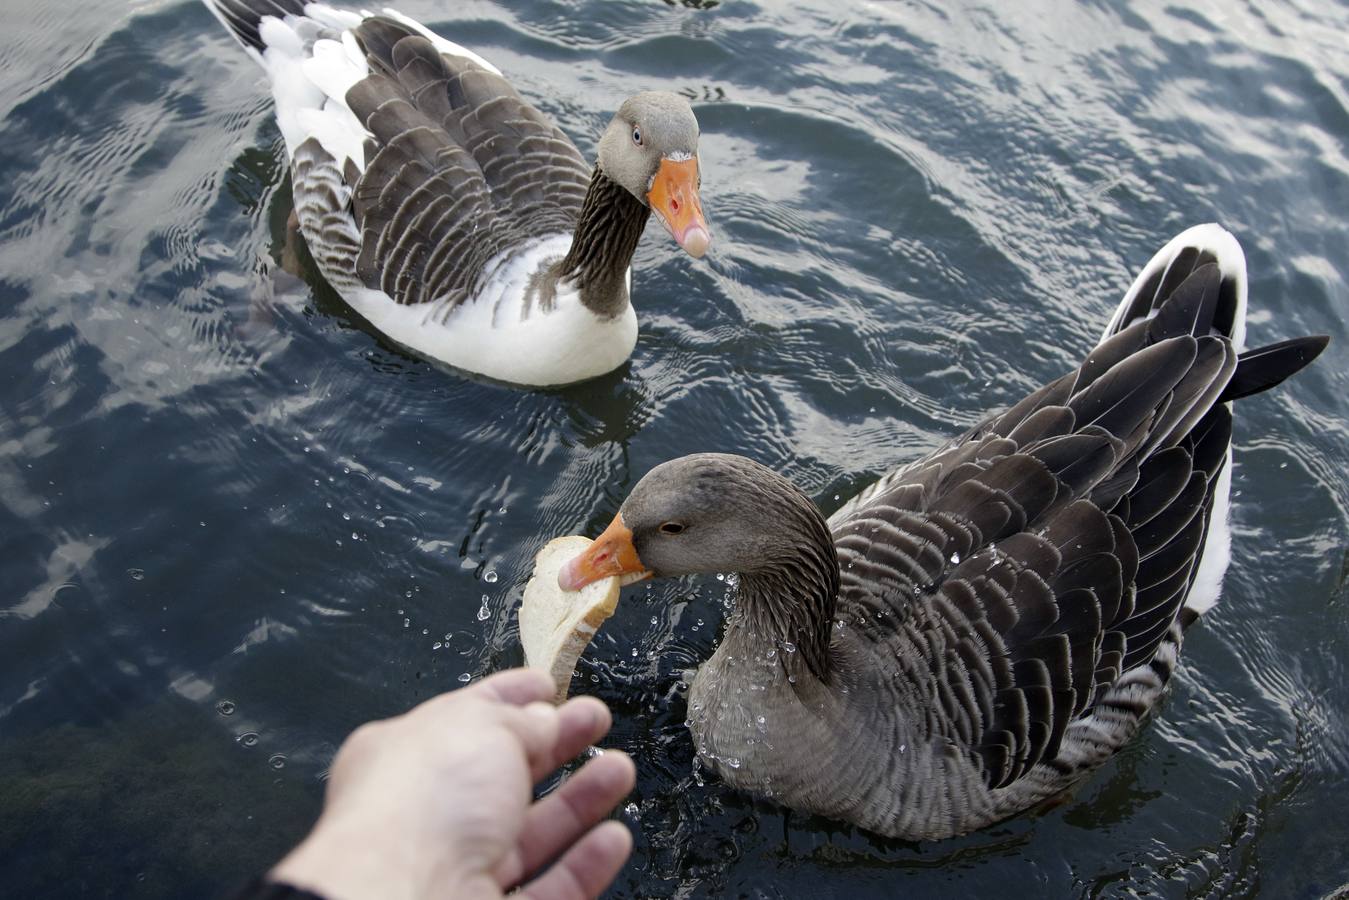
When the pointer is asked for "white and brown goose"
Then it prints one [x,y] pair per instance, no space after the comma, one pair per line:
[448,211]
[979,630]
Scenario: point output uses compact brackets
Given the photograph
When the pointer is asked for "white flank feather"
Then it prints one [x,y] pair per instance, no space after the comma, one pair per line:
[331,67]
[1217,553]
[490,335]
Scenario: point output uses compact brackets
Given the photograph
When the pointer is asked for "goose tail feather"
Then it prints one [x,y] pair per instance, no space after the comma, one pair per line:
[1187,253]
[1196,286]
[244,18]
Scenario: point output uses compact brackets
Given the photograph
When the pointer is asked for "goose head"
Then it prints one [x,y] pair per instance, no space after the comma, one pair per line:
[710,512]
[650,148]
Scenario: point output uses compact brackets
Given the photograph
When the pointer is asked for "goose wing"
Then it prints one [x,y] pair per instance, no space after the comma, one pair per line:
[460,167]
[416,164]
[1037,564]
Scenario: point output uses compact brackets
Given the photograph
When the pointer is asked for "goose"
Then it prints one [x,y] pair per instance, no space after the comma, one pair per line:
[973,634]
[449,212]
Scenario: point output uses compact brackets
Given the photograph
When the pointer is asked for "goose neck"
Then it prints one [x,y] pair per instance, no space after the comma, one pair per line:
[606,236]
[790,603]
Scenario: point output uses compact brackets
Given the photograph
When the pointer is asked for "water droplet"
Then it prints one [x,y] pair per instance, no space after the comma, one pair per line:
[136,574]
[732,761]
[426,631]
[654,621]
[277,761]
[483,612]
[502,511]
[248,738]
[465,678]
[225,707]
[490,577]
[789,646]
[631,810]
[346,517]
[407,622]
[955,558]
[437,645]
[721,576]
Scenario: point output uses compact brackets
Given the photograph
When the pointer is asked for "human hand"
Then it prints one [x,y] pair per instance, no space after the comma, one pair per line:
[438,802]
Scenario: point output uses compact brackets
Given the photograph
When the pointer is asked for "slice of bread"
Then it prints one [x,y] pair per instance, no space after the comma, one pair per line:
[556,625]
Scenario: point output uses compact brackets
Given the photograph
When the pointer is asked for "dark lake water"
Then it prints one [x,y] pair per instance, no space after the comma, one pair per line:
[234,523]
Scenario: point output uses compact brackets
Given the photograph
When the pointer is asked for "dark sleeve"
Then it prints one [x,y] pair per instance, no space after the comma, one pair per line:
[260,889]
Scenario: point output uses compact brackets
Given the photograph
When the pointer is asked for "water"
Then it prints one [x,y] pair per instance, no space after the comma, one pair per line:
[234,524]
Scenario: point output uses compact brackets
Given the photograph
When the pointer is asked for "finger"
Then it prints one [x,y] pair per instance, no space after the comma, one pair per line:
[581,722]
[516,686]
[587,868]
[552,735]
[557,821]
[535,726]
[513,687]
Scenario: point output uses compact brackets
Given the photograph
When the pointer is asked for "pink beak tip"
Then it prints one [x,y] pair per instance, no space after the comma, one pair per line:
[695,241]
[568,578]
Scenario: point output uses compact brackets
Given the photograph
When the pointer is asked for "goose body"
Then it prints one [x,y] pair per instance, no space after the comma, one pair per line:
[448,211]
[979,630]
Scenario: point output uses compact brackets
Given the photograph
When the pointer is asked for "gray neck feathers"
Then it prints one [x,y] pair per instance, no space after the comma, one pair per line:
[791,597]
[606,236]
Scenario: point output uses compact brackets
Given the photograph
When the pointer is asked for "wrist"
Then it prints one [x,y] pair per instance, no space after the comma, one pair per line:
[344,860]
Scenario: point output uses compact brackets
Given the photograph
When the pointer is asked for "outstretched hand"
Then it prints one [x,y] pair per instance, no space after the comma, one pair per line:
[438,802]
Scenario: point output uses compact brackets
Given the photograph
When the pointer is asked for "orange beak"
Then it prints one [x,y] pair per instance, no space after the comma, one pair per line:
[611,554]
[674,197]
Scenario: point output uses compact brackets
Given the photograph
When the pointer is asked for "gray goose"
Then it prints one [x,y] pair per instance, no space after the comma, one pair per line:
[979,630]
[448,211]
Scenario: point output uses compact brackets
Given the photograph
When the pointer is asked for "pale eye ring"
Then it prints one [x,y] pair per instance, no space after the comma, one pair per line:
[637,136]
[671,527]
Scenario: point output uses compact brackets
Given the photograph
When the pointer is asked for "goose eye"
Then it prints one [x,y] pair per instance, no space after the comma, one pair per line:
[671,528]
[637,136]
